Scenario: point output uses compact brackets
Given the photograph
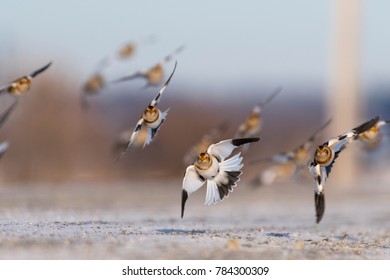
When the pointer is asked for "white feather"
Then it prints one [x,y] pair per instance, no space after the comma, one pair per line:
[191,181]
[212,194]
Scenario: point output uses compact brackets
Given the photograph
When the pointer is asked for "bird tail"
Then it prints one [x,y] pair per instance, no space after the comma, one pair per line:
[319,200]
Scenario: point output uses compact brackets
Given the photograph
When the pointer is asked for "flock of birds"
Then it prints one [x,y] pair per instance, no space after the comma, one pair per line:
[211,163]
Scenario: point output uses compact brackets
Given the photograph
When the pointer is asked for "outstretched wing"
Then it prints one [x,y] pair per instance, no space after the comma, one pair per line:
[307,145]
[157,98]
[6,114]
[138,74]
[136,131]
[40,70]
[224,148]
[3,148]
[261,105]
[192,182]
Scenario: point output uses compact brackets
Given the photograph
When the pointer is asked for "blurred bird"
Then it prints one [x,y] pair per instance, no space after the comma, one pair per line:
[22,85]
[92,86]
[126,51]
[123,138]
[253,124]
[152,118]
[372,137]
[153,75]
[286,164]
[221,175]
[206,140]
[324,158]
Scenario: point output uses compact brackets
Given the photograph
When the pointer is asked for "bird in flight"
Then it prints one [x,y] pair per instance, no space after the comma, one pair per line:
[152,118]
[220,174]
[153,75]
[325,156]
[22,84]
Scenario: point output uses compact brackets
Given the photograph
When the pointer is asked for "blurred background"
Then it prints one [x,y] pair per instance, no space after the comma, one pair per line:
[333,61]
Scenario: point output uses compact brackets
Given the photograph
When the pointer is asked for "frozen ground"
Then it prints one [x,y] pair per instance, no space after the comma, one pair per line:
[140,220]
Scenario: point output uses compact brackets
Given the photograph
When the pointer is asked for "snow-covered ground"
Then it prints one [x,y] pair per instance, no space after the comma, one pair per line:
[141,220]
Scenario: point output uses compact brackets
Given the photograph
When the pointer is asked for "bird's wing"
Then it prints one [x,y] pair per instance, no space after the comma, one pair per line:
[158,97]
[136,131]
[6,114]
[40,70]
[138,74]
[3,148]
[224,148]
[307,145]
[268,99]
[192,182]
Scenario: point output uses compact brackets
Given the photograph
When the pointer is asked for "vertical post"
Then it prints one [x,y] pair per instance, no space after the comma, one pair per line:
[343,102]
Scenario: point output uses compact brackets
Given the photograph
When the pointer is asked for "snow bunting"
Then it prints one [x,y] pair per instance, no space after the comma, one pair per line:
[153,75]
[152,118]
[253,124]
[372,137]
[324,158]
[287,164]
[22,85]
[221,175]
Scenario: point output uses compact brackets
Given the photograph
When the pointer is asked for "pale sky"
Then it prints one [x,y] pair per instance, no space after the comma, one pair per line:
[228,43]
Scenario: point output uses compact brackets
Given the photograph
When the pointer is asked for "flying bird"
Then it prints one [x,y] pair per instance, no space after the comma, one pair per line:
[153,75]
[125,51]
[253,124]
[286,164]
[220,174]
[22,85]
[324,159]
[152,118]
[372,137]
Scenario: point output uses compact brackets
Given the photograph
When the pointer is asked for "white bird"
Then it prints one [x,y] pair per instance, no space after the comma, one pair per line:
[152,118]
[324,158]
[22,84]
[221,174]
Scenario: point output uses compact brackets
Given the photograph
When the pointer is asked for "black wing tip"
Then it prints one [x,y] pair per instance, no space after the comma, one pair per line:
[35,73]
[366,126]
[319,199]
[184,197]
[241,141]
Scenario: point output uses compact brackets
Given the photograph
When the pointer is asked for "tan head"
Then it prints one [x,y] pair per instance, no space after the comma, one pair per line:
[324,155]
[204,161]
[20,86]
[151,114]
[155,75]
